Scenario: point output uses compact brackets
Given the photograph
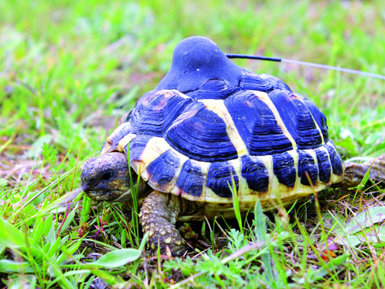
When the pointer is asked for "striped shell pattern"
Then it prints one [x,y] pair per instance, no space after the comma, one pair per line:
[255,135]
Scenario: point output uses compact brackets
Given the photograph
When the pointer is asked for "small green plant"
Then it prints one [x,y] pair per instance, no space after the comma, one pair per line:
[134,188]
[237,211]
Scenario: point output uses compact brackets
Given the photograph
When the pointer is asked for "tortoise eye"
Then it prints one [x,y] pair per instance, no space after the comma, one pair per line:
[107,175]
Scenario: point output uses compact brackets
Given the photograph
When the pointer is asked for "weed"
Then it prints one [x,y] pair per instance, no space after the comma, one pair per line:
[70,69]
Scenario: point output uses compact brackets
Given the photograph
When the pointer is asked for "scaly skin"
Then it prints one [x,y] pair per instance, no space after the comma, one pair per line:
[158,217]
[354,172]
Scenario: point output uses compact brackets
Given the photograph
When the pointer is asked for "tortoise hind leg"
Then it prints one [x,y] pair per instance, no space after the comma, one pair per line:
[158,217]
[354,172]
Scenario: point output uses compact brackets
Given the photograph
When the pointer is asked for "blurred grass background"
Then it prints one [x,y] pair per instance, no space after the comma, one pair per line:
[70,69]
[63,61]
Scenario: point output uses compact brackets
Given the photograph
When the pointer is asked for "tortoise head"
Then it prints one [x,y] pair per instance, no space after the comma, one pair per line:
[107,177]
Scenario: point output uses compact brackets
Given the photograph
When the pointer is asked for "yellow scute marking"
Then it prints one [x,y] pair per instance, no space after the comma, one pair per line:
[125,141]
[217,106]
[108,145]
[154,148]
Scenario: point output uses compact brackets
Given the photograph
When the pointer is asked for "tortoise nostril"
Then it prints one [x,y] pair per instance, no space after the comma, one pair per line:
[86,187]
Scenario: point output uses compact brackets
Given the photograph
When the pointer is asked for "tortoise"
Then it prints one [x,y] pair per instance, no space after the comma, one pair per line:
[208,127]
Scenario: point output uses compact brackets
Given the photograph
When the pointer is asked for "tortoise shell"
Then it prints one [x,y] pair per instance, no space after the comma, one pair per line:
[210,125]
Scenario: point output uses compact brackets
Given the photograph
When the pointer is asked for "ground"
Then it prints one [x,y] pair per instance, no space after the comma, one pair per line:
[70,69]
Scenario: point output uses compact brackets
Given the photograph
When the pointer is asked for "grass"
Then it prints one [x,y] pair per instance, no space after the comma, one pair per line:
[70,69]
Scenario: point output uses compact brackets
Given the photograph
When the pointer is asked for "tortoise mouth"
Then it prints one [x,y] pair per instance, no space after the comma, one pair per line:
[110,196]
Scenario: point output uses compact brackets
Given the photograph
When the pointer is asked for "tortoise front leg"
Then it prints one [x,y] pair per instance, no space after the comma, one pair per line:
[354,172]
[158,216]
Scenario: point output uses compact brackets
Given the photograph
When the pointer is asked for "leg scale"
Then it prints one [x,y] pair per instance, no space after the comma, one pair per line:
[158,217]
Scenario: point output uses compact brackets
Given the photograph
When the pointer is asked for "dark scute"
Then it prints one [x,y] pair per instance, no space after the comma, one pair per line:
[220,177]
[308,136]
[137,146]
[297,118]
[261,82]
[307,169]
[284,170]
[201,134]
[128,115]
[195,61]
[190,179]
[251,81]
[276,83]
[212,89]
[324,166]
[335,159]
[163,169]
[255,173]
[319,117]
[155,112]
[256,124]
